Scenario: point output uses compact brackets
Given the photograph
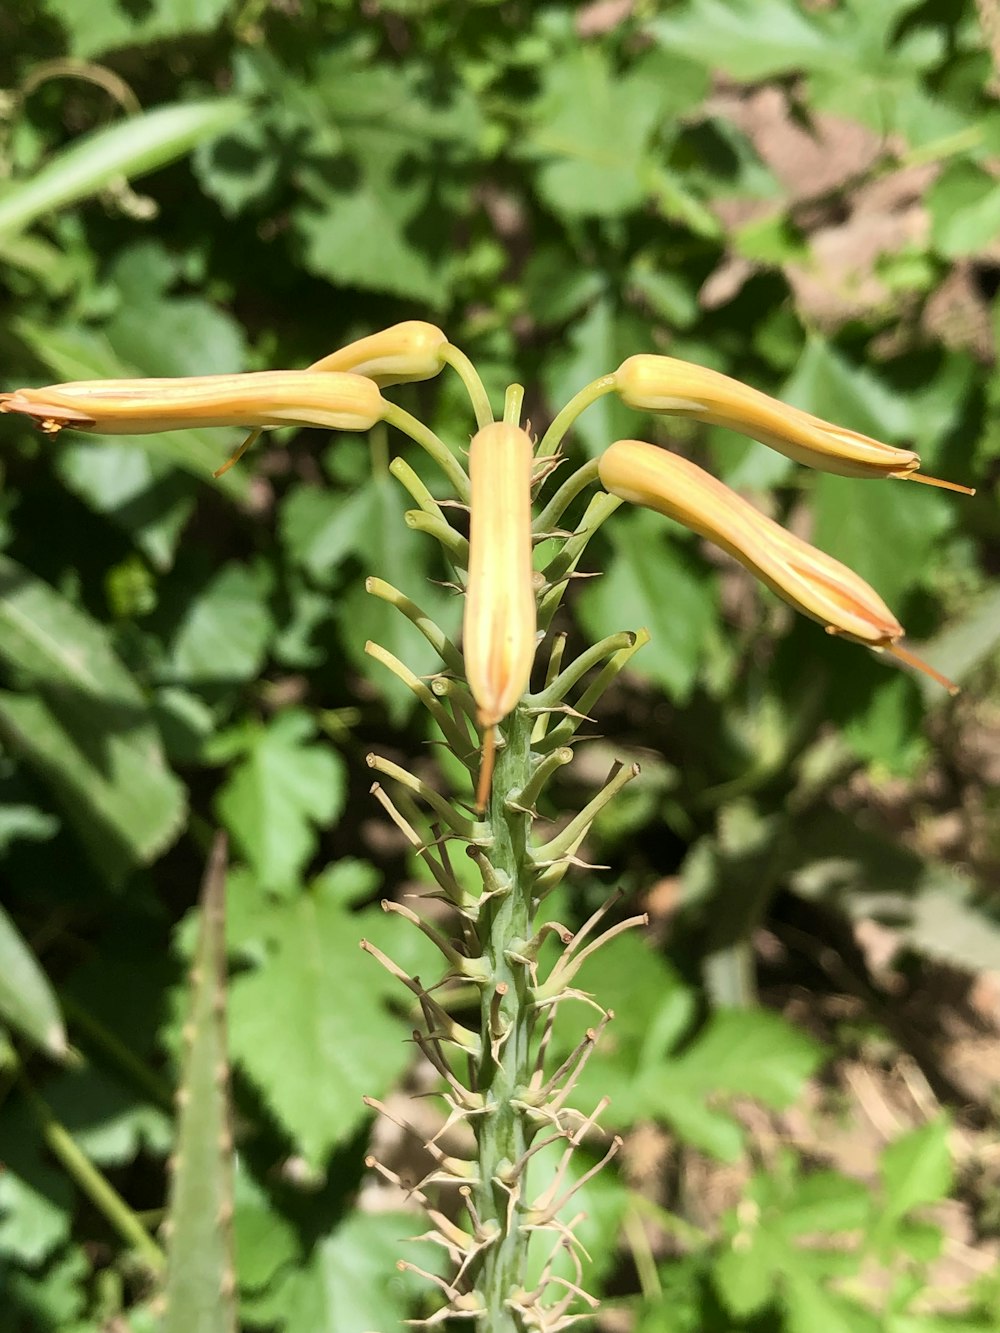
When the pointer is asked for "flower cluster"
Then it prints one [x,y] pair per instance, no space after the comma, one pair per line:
[341,391]
[505,1100]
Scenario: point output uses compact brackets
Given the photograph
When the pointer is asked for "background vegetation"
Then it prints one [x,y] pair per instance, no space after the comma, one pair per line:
[803,1059]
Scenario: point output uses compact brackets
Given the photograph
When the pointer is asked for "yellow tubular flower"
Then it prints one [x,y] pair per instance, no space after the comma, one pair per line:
[406,352]
[259,399]
[500,619]
[811,581]
[664,384]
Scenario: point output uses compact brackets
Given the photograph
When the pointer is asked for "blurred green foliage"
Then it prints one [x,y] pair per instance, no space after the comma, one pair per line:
[804,196]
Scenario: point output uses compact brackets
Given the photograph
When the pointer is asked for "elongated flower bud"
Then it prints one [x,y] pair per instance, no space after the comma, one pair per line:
[810,580]
[406,352]
[259,399]
[499,632]
[664,384]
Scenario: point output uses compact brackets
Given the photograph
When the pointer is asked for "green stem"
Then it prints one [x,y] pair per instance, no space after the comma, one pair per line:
[566,729]
[565,496]
[139,1074]
[434,445]
[407,478]
[552,438]
[103,1196]
[512,404]
[557,689]
[456,358]
[431,631]
[504,1069]
[463,748]
[600,509]
[378,449]
[454,544]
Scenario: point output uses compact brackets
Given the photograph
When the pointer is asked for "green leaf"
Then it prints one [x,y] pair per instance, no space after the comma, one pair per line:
[887,729]
[309,1026]
[934,908]
[35,1198]
[744,1277]
[164,334]
[873,72]
[825,383]
[320,527]
[265,1241]
[784,1248]
[653,1007]
[811,1306]
[965,210]
[591,130]
[107,24]
[750,39]
[199,1289]
[739,1053]
[139,493]
[130,148]
[743,1053]
[27,1001]
[651,583]
[224,633]
[24,821]
[885,531]
[350,1282]
[107,1120]
[392,113]
[88,730]
[825,1201]
[360,235]
[963,644]
[280,791]
[49,1299]
[858,68]
[916,1169]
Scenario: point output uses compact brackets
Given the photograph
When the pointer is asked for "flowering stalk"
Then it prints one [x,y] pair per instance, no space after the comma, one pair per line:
[507,1094]
[510,1100]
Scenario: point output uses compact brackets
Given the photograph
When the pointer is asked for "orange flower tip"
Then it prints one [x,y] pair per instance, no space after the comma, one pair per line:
[486,765]
[936,481]
[48,417]
[911,659]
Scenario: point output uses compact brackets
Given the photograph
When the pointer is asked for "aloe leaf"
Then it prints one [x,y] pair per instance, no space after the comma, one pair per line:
[200,1282]
[27,1001]
[129,148]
